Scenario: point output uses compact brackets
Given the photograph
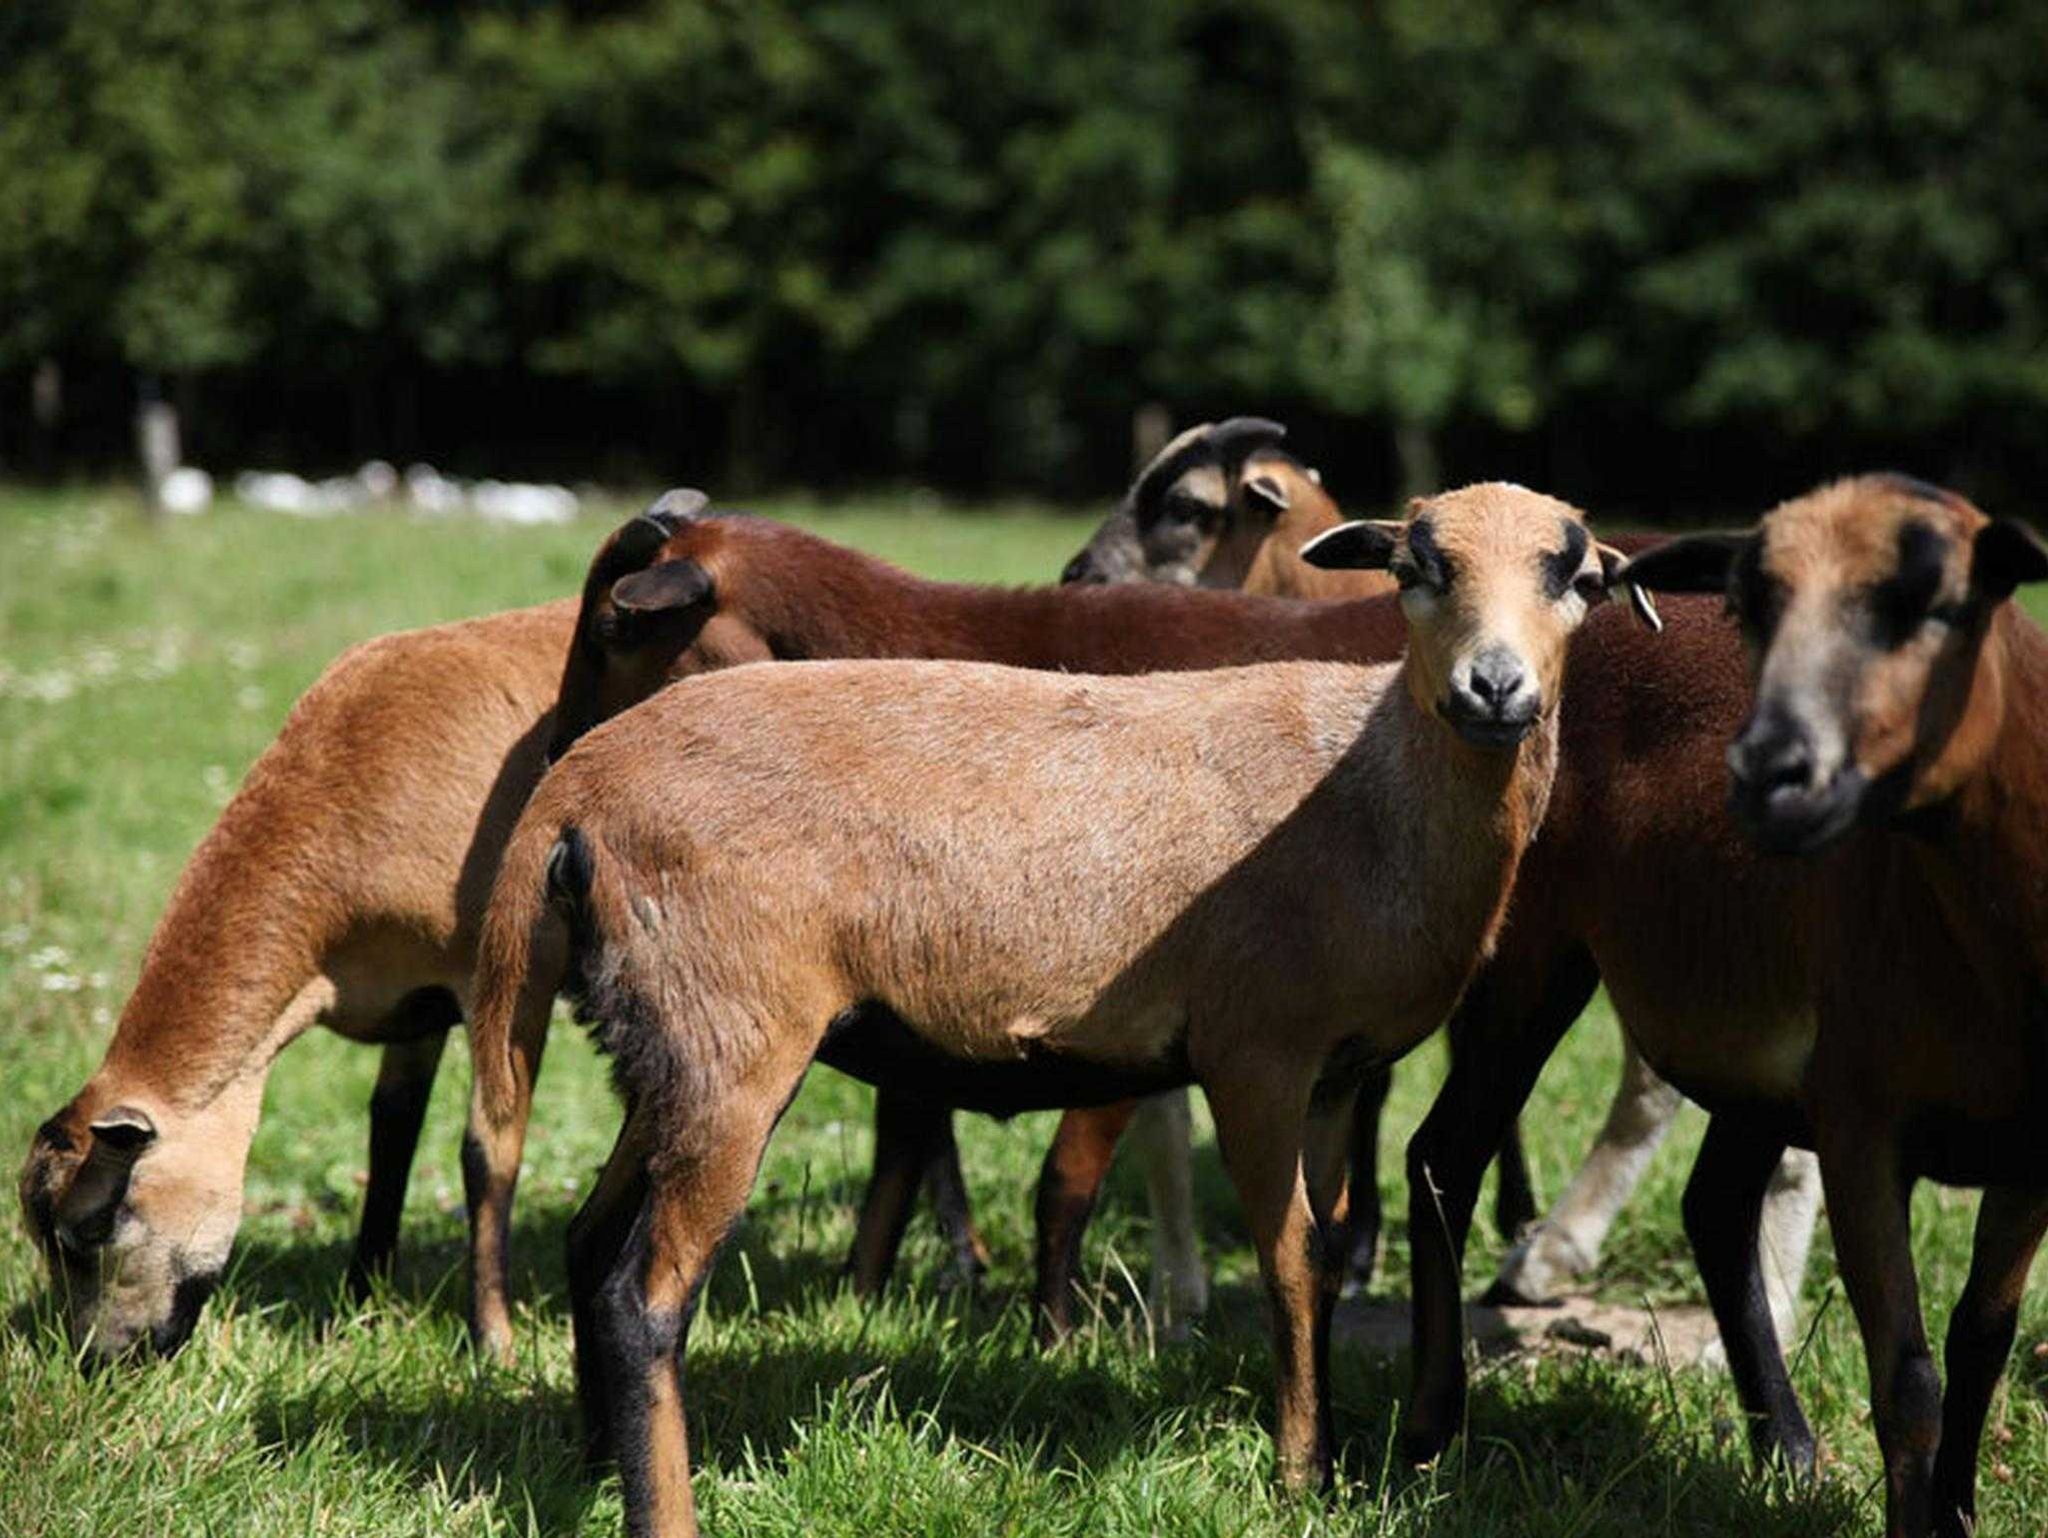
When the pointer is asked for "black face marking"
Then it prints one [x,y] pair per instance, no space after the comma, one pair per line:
[1160,475]
[1900,604]
[1426,564]
[1561,567]
[1185,507]
[1755,598]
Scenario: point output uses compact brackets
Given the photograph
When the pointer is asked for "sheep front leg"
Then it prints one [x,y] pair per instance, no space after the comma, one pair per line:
[1260,1119]
[398,1109]
[1723,1210]
[1510,1020]
[2010,1224]
[1867,1207]
[1069,1182]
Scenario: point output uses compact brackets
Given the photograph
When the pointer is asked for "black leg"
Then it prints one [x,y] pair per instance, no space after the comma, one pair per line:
[1514,1195]
[599,1240]
[946,1183]
[909,1131]
[1510,1020]
[1724,1203]
[398,1109]
[1363,1217]
[1980,1332]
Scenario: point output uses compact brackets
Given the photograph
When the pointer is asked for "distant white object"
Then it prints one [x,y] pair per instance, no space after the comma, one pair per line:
[523,503]
[432,492]
[378,479]
[279,491]
[185,490]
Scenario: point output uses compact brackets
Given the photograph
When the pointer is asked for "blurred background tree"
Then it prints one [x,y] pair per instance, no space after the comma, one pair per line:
[1663,258]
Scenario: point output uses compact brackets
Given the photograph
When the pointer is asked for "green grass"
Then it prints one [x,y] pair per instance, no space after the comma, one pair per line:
[141,671]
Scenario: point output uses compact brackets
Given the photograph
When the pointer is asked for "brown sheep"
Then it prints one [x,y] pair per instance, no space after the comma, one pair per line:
[1899,741]
[1252,540]
[1023,889]
[342,885]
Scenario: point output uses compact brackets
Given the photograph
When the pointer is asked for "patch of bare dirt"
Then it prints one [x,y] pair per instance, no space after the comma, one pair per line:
[1678,1334]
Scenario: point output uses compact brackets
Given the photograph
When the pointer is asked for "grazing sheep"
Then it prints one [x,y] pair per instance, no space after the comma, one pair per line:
[1024,889]
[1897,741]
[342,886]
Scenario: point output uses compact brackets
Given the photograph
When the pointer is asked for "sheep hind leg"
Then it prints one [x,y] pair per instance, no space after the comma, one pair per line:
[1179,1292]
[913,1145]
[1363,1215]
[1069,1183]
[398,1110]
[1260,1122]
[945,1182]
[665,1205]
[1565,1245]
[2010,1224]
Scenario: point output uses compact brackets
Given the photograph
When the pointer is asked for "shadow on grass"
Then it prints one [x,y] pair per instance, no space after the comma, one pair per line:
[1584,1447]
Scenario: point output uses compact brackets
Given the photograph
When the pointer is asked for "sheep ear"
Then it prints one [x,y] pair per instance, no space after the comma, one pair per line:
[2006,554]
[1235,439]
[1611,563]
[1693,563]
[1366,544]
[86,1211]
[1267,492]
[663,589]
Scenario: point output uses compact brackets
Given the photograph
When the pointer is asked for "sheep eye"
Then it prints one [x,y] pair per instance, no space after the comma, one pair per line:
[1590,586]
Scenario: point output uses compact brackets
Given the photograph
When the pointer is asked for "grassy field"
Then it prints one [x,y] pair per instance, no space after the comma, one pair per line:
[141,671]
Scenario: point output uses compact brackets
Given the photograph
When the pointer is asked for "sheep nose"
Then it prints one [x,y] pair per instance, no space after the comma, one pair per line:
[1080,569]
[1496,679]
[1772,756]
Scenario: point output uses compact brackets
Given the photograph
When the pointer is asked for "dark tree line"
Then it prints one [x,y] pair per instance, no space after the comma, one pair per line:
[1670,254]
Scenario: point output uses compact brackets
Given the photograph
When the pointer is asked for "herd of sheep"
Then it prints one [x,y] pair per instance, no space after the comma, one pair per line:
[1255,800]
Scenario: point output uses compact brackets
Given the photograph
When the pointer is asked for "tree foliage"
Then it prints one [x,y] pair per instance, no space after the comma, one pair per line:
[961,240]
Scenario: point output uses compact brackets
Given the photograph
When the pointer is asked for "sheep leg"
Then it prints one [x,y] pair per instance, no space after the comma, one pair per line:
[1508,1043]
[1260,1120]
[491,1151]
[1791,1208]
[1514,1193]
[1868,1197]
[946,1184]
[1179,1290]
[597,1237]
[1363,1215]
[398,1110]
[1723,1210]
[1566,1244]
[2010,1224]
[648,1250]
[912,1138]
[1069,1182]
